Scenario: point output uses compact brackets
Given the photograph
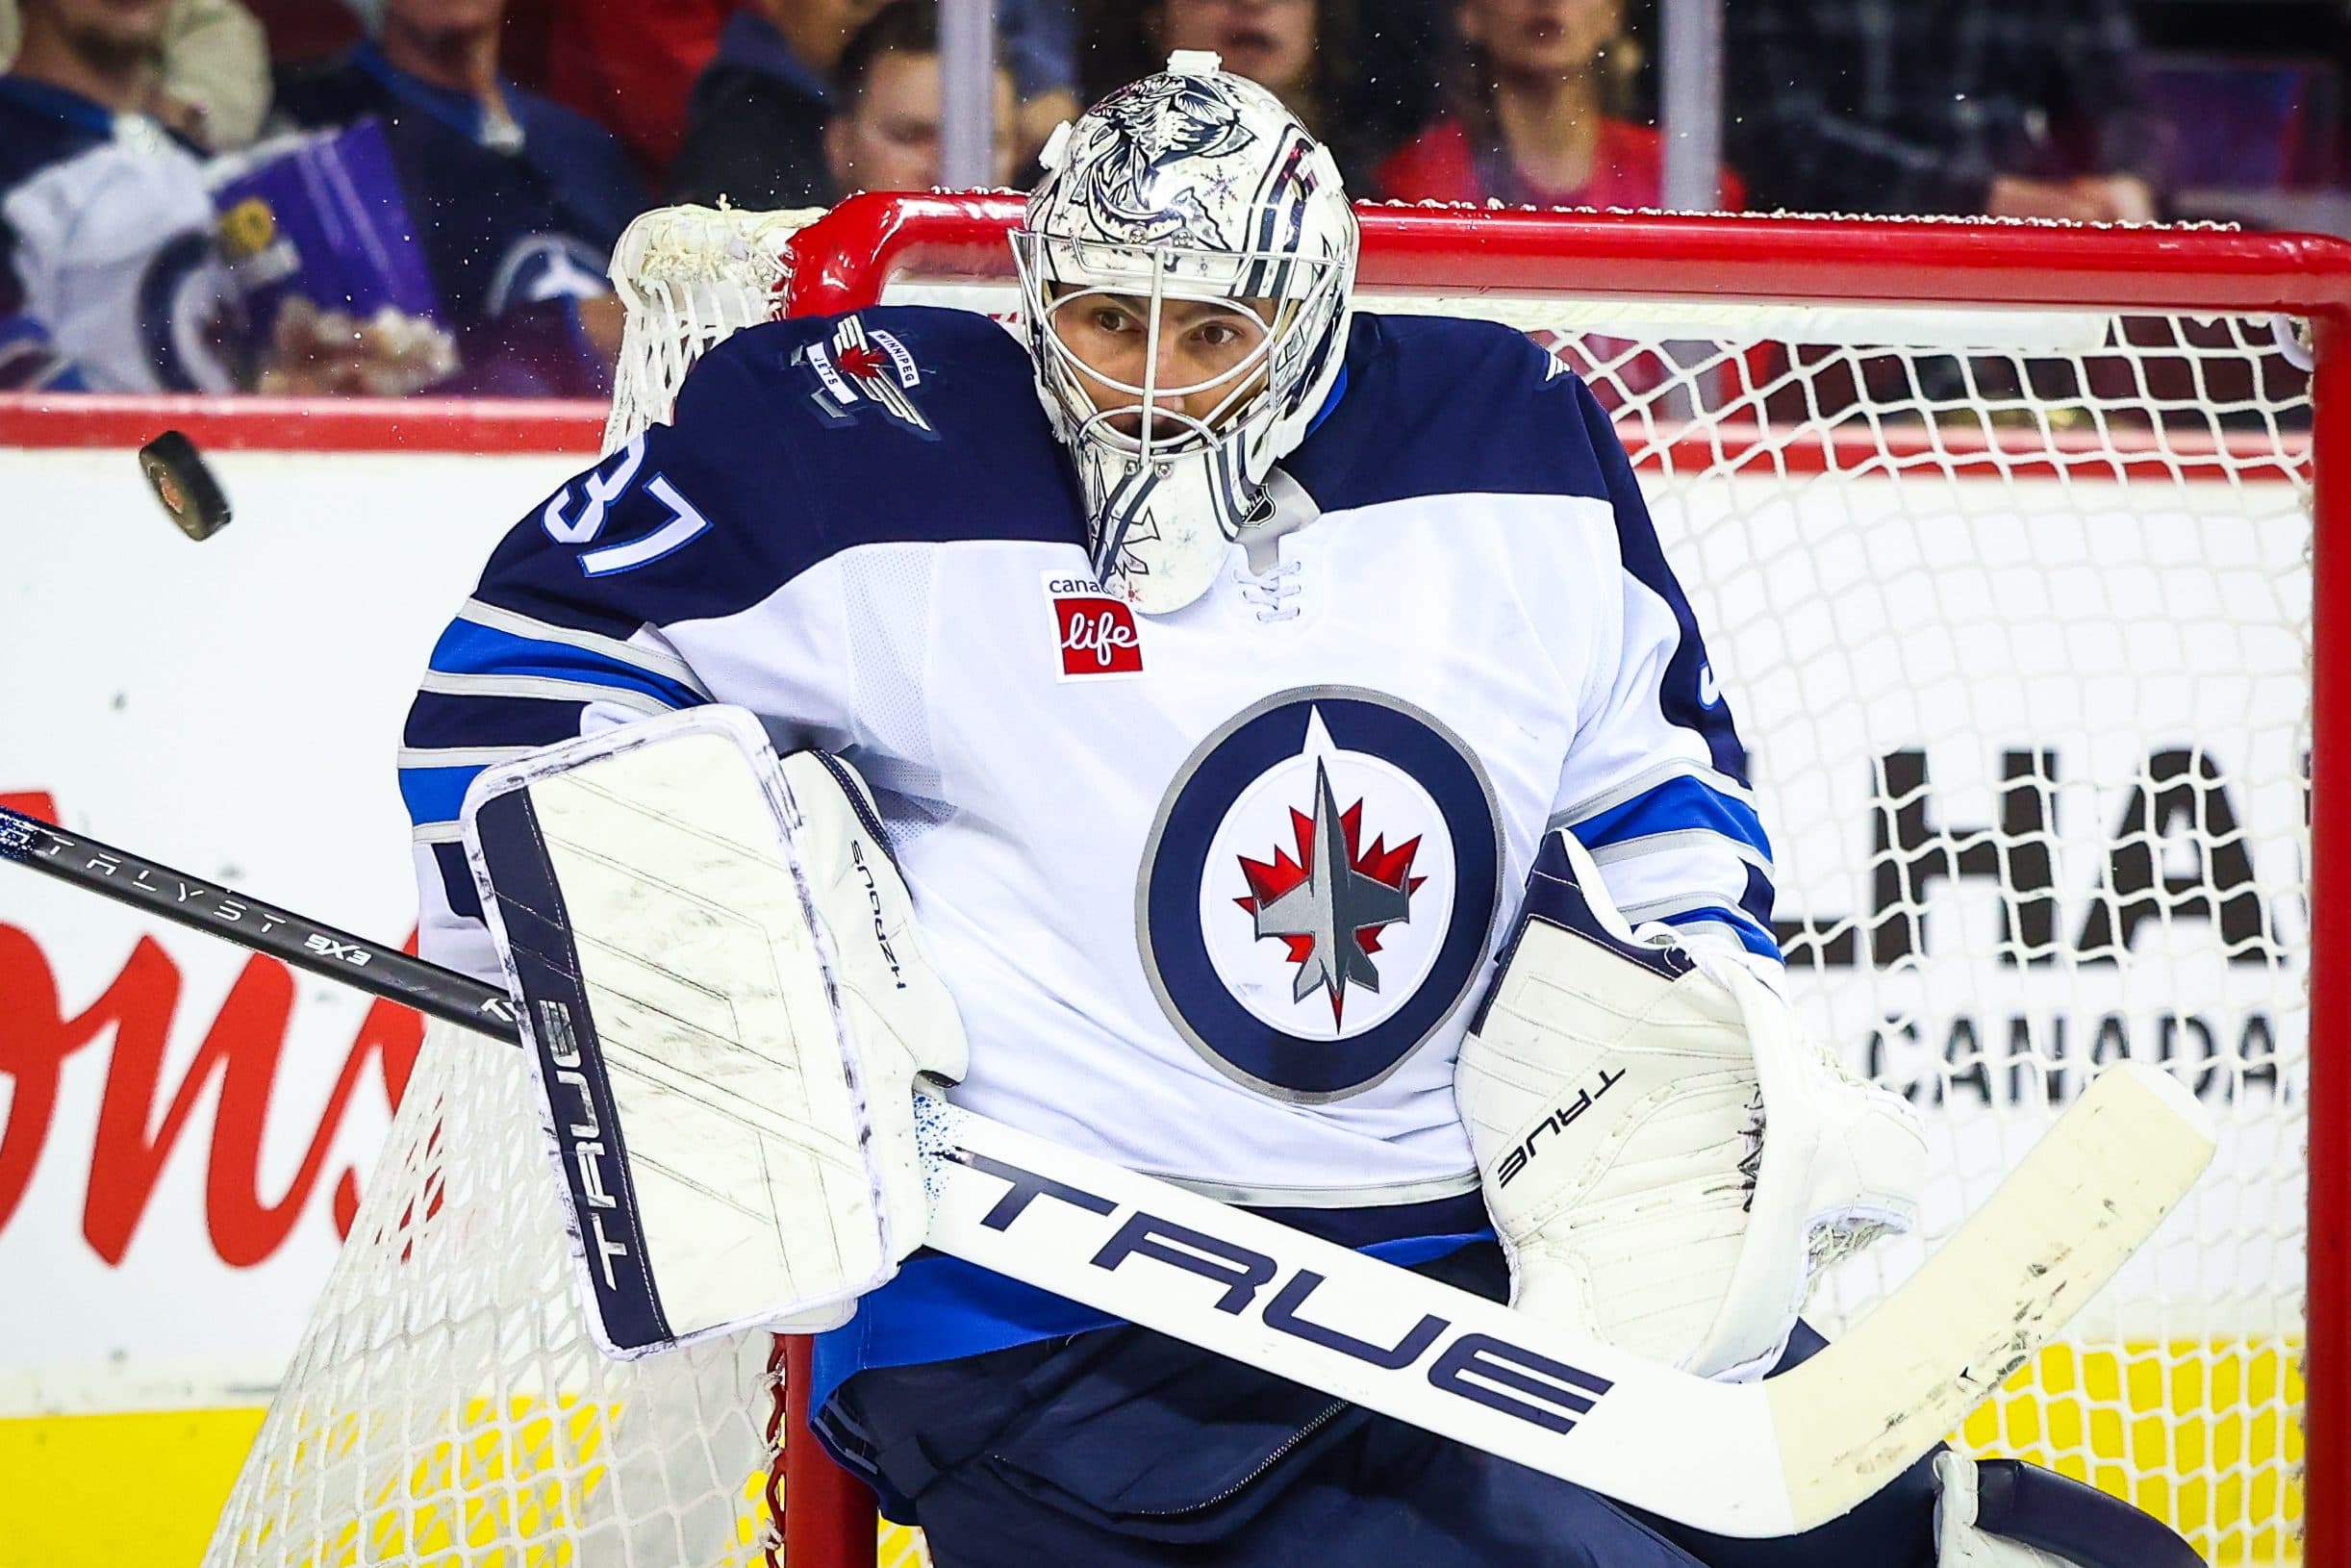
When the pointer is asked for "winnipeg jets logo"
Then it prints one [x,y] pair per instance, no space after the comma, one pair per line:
[861,367]
[1330,903]
[1151,127]
[1317,890]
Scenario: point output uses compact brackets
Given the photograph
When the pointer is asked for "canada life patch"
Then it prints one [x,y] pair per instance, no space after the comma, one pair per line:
[1318,889]
[1097,633]
[861,369]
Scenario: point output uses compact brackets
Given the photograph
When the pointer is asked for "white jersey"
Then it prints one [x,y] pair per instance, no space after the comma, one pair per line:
[1215,892]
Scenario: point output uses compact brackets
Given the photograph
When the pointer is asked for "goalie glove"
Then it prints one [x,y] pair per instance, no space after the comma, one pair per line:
[1668,1160]
[729,1012]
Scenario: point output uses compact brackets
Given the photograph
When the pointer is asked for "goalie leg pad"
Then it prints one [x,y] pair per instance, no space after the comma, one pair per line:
[727,1007]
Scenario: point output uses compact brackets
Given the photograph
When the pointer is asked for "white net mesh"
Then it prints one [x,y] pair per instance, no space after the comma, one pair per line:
[2019,643]
[688,277]
[447,1405]
[2014,608]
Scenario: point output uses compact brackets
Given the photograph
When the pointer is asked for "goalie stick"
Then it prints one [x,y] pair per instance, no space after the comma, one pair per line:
[1768,1459]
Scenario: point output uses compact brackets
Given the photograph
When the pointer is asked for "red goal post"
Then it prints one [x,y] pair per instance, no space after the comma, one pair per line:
[862,246]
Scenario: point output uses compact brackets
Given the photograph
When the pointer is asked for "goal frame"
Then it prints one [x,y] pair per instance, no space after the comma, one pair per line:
[846,260]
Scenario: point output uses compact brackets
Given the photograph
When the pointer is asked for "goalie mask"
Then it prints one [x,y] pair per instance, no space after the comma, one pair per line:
[1185,267]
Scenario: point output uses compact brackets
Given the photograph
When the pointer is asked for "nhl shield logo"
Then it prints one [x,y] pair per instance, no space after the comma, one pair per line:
[1318,889]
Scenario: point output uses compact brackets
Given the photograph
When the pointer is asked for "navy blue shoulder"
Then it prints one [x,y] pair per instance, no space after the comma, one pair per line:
[914,423]
[1440,406]
[34,132]
[544,116]
[593,173]
[791,444]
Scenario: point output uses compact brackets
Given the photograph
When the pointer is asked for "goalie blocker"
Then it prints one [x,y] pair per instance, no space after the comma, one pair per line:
[727,1006]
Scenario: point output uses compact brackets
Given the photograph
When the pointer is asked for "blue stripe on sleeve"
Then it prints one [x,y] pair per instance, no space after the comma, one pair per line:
[469,648]
[434,793]
[446,718]
[1676,805]
[1753,940]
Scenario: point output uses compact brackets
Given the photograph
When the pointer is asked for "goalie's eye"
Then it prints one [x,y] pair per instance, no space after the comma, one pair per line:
[1112,320]
[1217,333]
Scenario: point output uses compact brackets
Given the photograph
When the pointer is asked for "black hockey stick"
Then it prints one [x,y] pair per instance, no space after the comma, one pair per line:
[305,943]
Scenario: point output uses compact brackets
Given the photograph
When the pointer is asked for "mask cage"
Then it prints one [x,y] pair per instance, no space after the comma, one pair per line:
[1057,274]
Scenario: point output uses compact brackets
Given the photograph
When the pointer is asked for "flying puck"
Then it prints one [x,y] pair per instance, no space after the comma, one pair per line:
[177,473]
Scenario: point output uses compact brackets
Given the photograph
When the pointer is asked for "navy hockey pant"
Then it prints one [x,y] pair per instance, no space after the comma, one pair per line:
[1122,1448]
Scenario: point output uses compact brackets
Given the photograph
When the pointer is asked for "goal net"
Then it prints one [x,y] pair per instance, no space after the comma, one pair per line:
[2002,537]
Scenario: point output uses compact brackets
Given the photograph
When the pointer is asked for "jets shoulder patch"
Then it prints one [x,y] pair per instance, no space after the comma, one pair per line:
[860,368]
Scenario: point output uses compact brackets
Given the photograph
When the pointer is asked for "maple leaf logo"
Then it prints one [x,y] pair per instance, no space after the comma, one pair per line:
[1328,903]
[863,359]
[875,366]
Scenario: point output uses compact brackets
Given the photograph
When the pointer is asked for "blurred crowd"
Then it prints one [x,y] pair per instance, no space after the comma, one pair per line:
[390,196]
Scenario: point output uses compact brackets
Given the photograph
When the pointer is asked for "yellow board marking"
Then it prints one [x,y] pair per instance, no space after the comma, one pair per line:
[82,1491]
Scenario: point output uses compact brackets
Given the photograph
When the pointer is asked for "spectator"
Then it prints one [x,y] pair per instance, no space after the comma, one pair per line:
[1399,51]
[885,136]
[307,30]
[1295,47]
[2013,108]
[1275,44]
[210,81]
[632,65]
[111,277]
[755,123]
[518,201]
[1534,114]
[1037,40]
[629,65]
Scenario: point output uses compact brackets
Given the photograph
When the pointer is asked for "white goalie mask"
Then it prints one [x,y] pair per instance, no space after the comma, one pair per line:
[1190,197]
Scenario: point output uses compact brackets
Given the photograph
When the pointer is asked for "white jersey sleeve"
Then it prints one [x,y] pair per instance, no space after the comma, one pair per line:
[1654,784]
[693,565]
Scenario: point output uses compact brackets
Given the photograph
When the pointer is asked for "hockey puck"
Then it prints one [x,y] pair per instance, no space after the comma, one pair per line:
[176,471]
